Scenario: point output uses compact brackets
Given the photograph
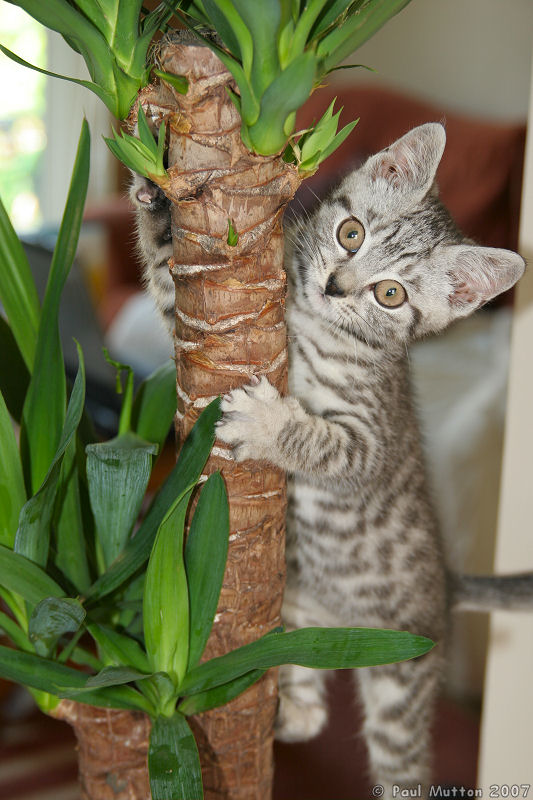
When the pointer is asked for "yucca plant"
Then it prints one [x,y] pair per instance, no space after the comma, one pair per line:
[93,613]
[243,66]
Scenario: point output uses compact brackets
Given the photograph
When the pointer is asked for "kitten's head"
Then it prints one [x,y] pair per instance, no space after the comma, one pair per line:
[381,257]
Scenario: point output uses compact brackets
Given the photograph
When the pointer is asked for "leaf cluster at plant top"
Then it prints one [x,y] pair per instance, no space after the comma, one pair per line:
[278,52]
[81,591]
[143,155]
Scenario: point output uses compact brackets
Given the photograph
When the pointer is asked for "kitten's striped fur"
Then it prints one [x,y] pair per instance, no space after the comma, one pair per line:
[363,545]
[154,243]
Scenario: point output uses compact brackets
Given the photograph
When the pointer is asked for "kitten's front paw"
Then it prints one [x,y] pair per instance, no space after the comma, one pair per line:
[299,718]
[250,419]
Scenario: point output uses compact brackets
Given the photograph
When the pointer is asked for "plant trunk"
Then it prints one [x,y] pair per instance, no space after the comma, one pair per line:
[229,326]
[112,751]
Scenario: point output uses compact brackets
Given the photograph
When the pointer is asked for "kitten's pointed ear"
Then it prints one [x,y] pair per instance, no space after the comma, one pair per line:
[478,274]
[412,161]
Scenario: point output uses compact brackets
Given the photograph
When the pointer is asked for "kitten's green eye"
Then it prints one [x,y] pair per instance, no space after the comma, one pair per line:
[351,234]
[390,294]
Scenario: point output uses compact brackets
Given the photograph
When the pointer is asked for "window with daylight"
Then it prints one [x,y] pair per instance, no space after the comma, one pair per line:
[22,126]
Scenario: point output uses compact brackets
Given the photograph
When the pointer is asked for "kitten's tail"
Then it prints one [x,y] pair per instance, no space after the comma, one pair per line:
[492,592]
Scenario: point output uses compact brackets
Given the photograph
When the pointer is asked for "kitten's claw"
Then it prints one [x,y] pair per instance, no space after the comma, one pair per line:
[254,380]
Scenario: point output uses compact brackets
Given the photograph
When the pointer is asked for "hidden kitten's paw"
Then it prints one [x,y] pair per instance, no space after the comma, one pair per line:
[145,194]
[302,713]
[251,418]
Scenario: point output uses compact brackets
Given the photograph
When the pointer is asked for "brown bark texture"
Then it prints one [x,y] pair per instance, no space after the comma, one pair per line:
[112,751]
[229,326]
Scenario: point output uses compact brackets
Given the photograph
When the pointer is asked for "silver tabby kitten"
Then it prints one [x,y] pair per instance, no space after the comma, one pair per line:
[378,265]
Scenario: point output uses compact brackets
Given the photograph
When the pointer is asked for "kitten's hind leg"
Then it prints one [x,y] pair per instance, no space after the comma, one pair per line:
[399,701]
[302,708]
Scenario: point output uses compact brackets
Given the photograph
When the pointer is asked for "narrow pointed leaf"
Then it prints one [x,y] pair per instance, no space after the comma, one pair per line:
[57,679]
[330,15]
[18,294]
[342,40]
[232,30]
[70,544]
[178,82]
[339,139]
[173,761]
[115,676]
[325,648]
[47,391]
[212,698]
[263,21]
[188,469]
[118,648]
[304,24]
[14,632]
[104,94]
[22,576]
[33,533]
[145,134]
[166,600]
[206,551]
[51,619]
[284,95]
[117,473]
[12,493]
[14,375]
[155,403]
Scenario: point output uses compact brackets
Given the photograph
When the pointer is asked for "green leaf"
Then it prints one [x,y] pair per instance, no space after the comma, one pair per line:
[233,236]
[284,95]
[115,676]
[12,493]
[263,21]
[212,698]
[166,601]
[24,577]
[51,619]
[70,544]
[57,679]
[343,39]
[154,406]
[145,134]
[104,95]
[338,139]
[178,82]
[33,534]
[117,473]
[188,469]
[232,30]
[325,648]
[18,294]
[119,649]
[332,15]
[304,24]
[10,628]
[14,375]
[47,391]
[144,155]
[206,551]
[173,761]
